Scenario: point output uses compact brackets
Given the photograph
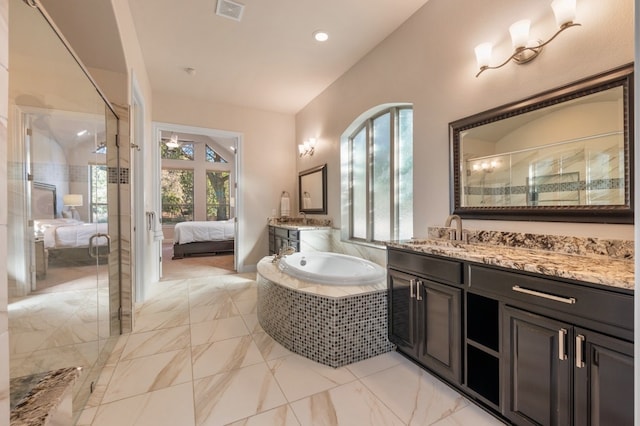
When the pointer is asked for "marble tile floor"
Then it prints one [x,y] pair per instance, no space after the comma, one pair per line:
[199,357]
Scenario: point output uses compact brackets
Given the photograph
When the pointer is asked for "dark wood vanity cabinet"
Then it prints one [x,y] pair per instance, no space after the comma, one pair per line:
[424,315]
[551,363]
[281,238]
[555,370]
[533,349]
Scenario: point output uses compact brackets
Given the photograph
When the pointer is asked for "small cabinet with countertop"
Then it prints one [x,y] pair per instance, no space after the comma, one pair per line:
[532,348]
[300,237]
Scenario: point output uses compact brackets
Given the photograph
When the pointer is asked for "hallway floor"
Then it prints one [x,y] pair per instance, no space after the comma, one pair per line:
[199,357]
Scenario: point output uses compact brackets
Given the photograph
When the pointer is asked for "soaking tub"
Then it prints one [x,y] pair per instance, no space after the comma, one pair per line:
[332,269]
[328,307]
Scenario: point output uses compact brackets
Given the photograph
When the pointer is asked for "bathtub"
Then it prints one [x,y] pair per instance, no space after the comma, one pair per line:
[318,306]
[332,269]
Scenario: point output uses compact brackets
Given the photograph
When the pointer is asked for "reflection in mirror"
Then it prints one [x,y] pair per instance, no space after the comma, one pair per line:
[558,156]
[312,187]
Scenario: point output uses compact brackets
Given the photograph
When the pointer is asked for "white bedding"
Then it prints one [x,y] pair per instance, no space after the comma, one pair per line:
[189,232]
[65,233]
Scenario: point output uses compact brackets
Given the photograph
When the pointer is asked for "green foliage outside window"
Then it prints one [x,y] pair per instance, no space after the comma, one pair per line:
[218,201]
[177,195]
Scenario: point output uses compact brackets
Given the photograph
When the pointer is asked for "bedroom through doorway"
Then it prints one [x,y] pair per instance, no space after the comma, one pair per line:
[197,185]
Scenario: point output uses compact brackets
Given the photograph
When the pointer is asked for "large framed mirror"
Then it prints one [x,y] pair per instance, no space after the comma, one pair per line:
[563,155]
[312,190]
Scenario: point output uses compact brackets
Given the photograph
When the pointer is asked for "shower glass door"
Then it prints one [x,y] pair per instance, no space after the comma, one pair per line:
[64,293]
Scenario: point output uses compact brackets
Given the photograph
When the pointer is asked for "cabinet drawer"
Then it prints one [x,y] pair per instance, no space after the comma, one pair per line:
[597,305]
[448,271]
[286,233]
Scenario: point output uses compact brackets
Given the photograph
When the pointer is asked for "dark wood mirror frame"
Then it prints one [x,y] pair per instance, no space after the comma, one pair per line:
[314,208]
[623,213]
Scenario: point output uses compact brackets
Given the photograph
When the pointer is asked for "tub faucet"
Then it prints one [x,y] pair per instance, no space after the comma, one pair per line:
[454,234]
[284,251]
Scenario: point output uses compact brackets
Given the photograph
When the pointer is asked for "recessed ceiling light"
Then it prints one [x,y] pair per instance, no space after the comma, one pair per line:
[82,132]
[321,35]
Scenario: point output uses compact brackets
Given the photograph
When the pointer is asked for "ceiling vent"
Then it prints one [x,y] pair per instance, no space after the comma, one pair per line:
[230,9]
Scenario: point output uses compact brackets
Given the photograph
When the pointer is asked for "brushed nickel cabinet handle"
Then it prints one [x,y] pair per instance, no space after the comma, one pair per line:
[567,300]
[562,351]
[579,359]
[412,282]
[418,284]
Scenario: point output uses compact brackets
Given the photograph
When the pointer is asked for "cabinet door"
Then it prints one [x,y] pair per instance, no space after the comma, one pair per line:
[603,380]
[439,329]
[538,367]
[402,311]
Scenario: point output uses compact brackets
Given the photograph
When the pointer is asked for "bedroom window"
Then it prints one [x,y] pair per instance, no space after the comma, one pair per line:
[380,176]
[218,201]
[98,191]
[177,195]
[182,152]
[212,156]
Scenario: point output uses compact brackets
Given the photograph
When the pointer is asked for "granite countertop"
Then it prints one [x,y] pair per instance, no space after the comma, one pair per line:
[299,223]
[45,393]
[300,227]
[596,269]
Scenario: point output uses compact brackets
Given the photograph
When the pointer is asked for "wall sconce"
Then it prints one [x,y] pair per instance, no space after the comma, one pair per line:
[526,50]
[72,201]
[307,147]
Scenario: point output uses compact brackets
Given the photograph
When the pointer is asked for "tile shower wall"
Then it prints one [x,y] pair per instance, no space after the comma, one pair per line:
[4,115]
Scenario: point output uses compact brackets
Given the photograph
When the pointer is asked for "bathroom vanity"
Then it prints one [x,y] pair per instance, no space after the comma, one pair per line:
[536,337]
[301,234]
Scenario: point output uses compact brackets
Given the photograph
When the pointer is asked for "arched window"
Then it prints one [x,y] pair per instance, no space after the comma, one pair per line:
[378,175]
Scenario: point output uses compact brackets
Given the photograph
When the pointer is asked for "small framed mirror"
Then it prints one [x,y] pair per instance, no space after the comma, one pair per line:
[312,187]
[562,155]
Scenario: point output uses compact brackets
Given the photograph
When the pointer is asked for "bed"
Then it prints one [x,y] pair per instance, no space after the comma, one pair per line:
[203,238]
[65,240]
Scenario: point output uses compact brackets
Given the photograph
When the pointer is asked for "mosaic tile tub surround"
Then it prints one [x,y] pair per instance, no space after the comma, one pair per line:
[334,326]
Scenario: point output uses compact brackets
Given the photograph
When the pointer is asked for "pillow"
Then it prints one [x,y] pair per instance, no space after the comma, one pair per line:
[66,214]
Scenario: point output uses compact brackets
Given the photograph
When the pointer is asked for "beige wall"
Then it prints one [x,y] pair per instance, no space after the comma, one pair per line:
[4,117]
[266,160]
[430,62]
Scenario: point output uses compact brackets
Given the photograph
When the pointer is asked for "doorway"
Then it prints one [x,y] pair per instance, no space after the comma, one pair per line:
[197,186]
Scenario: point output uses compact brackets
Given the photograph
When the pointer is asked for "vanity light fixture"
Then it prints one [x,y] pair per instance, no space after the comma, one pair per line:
[307,147]
[526,50]
[486,166]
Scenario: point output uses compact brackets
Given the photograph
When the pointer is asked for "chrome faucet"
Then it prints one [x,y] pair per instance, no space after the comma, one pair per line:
[304,217]
[454,234]
[283,252]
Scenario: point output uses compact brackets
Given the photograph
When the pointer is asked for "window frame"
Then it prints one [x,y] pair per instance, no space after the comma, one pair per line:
[193,196]
[394,206]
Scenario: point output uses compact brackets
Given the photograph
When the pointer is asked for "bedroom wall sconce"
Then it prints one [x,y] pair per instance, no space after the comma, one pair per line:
[526,50]
[72,201]
[307,148]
